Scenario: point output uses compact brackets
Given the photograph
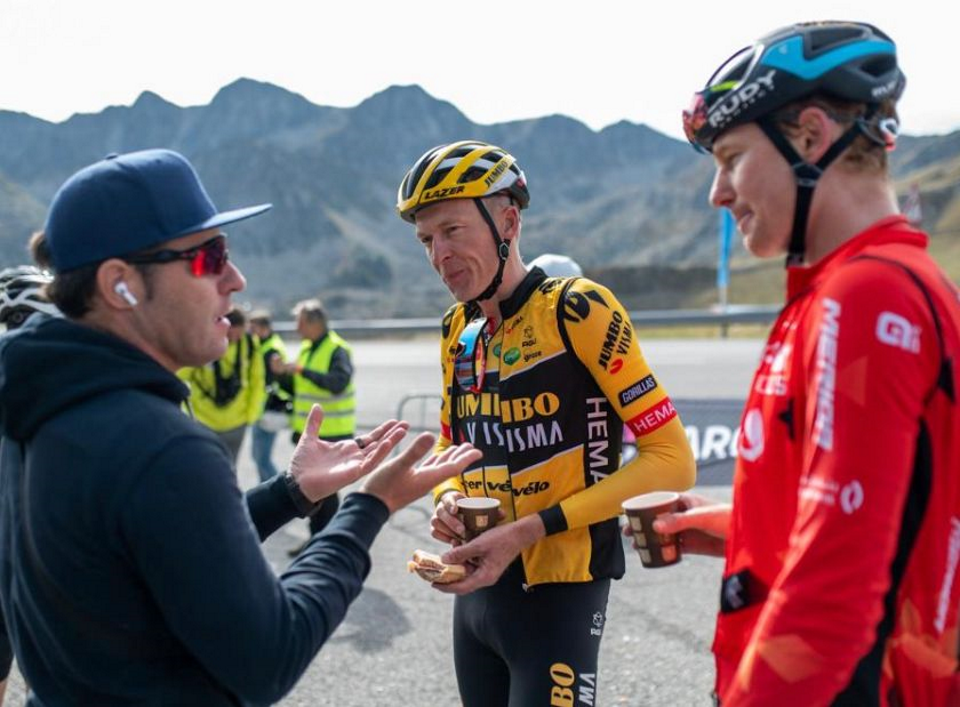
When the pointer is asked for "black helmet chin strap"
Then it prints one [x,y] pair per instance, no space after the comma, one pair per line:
[807,176]
[503,251]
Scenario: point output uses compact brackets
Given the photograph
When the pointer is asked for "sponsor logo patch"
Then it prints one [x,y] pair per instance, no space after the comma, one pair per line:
[637,390]
[849,497]
[897,331]
[730,107]
[616,339]
[773,380]
[510,410]
[826,374]
[598,438]
[528,338]
[576,306]
[597,629]
[653,418]
[750,443]
[497,171]
[441,193]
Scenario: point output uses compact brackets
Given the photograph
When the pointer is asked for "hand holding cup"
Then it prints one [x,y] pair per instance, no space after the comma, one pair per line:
[655,549]
[478,514]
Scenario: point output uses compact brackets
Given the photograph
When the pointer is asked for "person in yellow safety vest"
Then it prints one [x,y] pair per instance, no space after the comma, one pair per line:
[278,404]
[322,373]
[228,394]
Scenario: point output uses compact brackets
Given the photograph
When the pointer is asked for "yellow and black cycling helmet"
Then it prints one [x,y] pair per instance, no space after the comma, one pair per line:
[468,169]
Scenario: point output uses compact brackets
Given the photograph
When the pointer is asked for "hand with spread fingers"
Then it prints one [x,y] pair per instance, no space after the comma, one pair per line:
[703,525]
[398,482]
[323,468]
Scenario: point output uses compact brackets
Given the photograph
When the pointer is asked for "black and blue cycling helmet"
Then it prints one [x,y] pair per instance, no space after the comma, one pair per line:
[850,61]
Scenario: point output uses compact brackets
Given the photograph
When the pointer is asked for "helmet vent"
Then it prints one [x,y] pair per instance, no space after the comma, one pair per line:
[471,175]
[825,39]
[436,178]
[879,66]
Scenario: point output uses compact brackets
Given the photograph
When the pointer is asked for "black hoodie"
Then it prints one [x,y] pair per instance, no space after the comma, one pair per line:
[146,583]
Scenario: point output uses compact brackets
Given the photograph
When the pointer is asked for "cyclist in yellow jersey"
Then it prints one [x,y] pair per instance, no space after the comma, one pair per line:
[539,373]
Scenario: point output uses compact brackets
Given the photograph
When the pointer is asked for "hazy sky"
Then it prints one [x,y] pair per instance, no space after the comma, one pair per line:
[599,61]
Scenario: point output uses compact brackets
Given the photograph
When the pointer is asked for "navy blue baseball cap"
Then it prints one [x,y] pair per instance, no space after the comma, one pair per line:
[127,203]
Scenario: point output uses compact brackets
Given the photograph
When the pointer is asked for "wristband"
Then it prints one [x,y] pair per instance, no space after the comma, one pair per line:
[305,507]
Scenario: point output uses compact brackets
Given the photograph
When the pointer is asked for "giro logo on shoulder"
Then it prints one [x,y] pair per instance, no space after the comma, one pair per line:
[441,193]
[731,106]
[897,331]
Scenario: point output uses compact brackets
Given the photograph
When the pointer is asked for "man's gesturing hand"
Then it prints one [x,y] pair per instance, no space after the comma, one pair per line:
[323,468]
[398,483]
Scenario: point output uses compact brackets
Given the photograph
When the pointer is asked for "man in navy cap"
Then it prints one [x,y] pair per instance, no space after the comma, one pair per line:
[111,498]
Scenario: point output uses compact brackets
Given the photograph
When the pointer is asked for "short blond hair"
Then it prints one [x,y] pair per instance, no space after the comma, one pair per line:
[864,154]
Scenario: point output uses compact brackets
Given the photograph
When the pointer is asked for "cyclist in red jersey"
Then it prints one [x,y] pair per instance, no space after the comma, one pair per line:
[843,538]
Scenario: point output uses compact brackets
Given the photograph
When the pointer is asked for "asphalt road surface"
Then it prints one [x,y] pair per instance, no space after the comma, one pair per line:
[394,647]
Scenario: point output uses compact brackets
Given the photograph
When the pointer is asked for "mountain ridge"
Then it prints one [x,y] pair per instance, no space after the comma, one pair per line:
[625,196]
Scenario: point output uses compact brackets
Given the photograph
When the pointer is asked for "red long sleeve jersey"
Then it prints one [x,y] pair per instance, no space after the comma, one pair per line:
[840,584]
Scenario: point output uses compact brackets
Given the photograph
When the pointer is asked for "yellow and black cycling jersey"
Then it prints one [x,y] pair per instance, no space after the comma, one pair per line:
[558,379]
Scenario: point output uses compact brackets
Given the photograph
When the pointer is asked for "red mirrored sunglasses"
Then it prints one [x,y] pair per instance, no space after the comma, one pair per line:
[208,258]
[694,118]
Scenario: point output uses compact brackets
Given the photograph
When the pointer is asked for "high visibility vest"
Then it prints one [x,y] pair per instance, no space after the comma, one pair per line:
[339,409]
[277,397]
[273,343]
[246,405]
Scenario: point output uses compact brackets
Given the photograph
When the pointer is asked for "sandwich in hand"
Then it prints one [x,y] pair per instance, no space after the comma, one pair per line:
[431,568]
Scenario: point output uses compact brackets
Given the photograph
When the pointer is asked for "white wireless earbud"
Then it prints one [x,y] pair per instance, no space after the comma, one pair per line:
[121,289]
